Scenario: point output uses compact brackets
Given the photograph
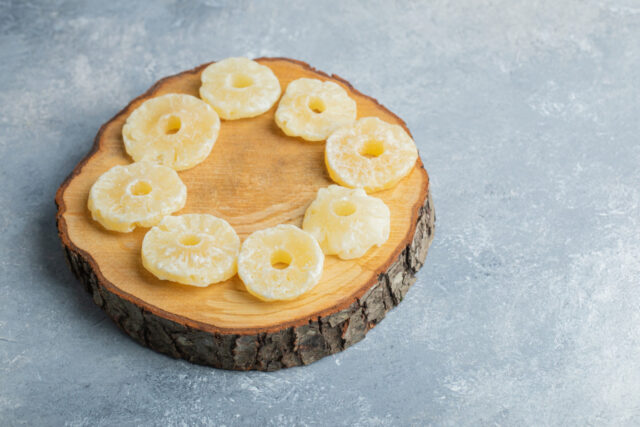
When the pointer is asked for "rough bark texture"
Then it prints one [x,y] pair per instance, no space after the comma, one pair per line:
[288,347]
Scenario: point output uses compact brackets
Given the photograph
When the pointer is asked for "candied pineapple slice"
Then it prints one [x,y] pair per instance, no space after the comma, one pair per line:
[136,195]
[192,249]
[280,263]
[371,154]
[312,109]
[238,88]
[346,222]
[174,130]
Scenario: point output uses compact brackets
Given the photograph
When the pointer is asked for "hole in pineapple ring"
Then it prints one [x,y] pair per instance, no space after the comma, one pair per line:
[372,148]
[343,208]
[171,124]
[280,259]
[240,81]
[189,240]
[316,105]
[140,188]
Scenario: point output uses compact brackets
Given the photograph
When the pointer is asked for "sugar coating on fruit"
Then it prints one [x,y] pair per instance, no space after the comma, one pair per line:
[371,154]
[192,249]
[280,263]
[238,88]
[174,130]
[313,109]
[136,195]
[347,222]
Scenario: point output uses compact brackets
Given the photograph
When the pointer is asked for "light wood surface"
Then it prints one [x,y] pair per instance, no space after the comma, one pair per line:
[255,177]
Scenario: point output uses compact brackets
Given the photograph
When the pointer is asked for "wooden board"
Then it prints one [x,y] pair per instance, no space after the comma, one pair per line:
[255,177]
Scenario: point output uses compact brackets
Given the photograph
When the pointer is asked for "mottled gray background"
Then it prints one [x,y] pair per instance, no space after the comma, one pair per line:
[527,116]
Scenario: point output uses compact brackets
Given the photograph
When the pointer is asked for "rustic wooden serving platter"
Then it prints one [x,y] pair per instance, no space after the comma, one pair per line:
[255,177]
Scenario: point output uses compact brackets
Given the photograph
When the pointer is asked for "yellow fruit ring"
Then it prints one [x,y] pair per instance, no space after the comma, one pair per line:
[136,195]
[192,249]
[174,130]
[347,222]
[371,154]
[312,109]
[280,263]
[239,88]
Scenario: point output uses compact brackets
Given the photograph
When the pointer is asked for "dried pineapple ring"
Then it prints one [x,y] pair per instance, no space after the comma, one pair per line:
[192,249]
[139,194]
[238,88]
[312,109]
[371,154]
[175,130]
[280,263]
[346,222]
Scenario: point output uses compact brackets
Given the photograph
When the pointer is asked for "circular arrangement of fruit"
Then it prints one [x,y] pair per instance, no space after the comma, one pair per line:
[287,240]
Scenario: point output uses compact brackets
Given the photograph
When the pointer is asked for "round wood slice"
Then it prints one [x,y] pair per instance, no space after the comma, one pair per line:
[255,177]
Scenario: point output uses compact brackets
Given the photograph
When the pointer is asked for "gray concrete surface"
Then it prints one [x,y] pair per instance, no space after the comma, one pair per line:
[527,116]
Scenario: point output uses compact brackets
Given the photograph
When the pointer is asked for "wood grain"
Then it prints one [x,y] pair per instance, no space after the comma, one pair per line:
[255,177]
